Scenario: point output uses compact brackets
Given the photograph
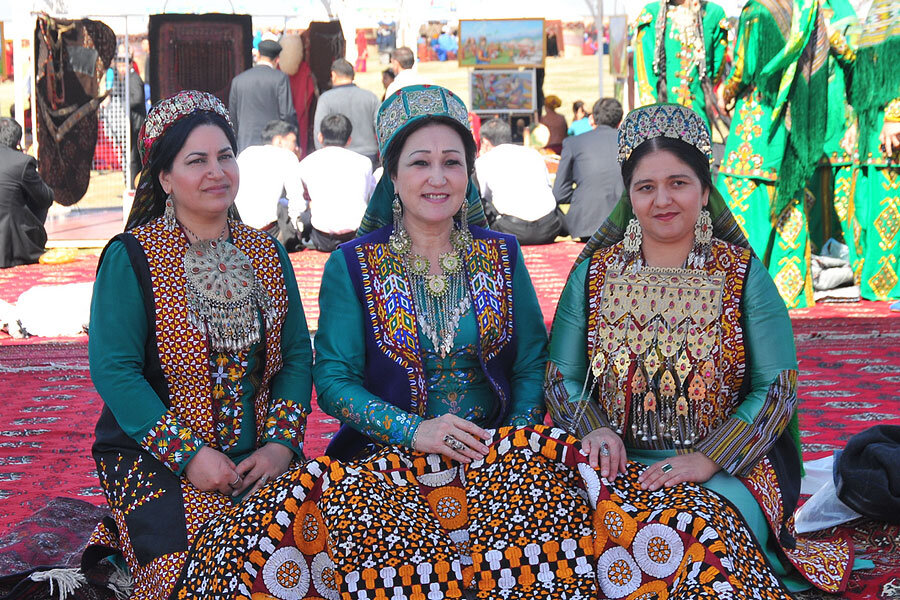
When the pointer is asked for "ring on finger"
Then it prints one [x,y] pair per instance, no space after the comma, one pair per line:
[666,468]
[234,484]
[604,449]
[453,443]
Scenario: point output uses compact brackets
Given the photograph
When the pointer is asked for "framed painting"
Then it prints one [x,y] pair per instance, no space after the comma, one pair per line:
[618,45]
[502,43]
[496,91]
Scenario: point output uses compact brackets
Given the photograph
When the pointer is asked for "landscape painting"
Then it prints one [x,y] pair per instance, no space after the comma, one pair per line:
[502,91]
[501,43]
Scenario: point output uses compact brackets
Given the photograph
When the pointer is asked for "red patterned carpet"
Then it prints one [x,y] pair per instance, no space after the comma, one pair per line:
[849,361]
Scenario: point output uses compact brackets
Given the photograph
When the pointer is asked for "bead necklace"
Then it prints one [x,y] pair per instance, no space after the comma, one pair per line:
[221,236]
[441,299]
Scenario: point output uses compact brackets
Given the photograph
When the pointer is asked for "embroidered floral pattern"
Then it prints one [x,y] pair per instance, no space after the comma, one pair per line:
[286,423]
[227,370]
[171,442]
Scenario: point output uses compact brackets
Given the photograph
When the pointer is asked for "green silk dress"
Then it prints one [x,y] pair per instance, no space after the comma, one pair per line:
[456,383]
[116,346]
[770,350]
[683,75]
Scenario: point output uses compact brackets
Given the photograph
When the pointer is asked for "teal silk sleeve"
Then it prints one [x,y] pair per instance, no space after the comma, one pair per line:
[531,351]
[341,360]
[764,413]
[292,385]
[118,332]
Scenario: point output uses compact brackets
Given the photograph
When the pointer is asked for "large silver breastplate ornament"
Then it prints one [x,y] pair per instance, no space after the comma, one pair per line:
[656,343]
[224,297]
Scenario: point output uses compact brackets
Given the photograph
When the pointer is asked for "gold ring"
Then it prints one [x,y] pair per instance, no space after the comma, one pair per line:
[666,468]
[453,443]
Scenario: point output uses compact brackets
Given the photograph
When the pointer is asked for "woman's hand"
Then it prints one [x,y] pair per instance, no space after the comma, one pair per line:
[453,437]
[695,467]
[264,465]
[604,448]
[212,471]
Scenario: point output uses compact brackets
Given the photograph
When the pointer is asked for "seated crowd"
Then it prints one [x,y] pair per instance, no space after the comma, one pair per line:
[672,468]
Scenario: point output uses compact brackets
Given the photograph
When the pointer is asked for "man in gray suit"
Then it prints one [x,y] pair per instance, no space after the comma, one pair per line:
[588,177]
[355,103]
[260,95]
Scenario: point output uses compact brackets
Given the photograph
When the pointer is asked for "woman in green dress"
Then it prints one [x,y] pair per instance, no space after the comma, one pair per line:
[198,347]
[672,358]
[679,53]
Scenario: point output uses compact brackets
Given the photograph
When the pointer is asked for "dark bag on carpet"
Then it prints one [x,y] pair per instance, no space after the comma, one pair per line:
[867,476]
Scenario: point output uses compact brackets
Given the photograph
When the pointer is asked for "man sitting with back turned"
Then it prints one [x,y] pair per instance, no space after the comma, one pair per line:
[270,196]
[588,177]
[355,103]
[24,201]
[515,187]
[338,185]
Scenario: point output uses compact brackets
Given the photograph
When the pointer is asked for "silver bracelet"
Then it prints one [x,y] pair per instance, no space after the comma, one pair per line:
[415,436]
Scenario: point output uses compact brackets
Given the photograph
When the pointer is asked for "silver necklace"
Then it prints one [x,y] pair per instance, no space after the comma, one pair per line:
[441,299]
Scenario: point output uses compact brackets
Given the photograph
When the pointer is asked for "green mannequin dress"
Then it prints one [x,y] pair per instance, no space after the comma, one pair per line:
[683,77]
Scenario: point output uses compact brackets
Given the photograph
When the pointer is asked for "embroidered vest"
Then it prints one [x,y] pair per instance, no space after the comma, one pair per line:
[665,346]
[183,349]
[394,368]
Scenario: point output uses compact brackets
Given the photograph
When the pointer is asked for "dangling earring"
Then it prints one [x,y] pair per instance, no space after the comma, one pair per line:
[703,230]
[462,238]
[399,241]
[169,214]
[633,237]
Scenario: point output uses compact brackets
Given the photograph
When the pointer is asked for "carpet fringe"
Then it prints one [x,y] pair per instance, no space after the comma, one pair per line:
[121,584]
[65,580]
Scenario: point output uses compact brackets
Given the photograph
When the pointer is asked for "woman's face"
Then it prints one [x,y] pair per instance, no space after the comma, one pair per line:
[666,196]
[204,178]
[431,175]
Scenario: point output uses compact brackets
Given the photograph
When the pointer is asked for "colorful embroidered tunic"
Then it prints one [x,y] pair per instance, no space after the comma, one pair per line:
[459,383]
[684,361]
[166,395]
[682,72]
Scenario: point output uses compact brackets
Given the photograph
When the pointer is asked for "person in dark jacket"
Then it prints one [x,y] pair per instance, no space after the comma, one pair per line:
[588,177]
[260,95]
[24,201]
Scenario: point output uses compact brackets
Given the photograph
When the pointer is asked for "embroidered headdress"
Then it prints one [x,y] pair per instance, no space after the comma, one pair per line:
[663,120]
[405,106]
[171,110]
[414,102]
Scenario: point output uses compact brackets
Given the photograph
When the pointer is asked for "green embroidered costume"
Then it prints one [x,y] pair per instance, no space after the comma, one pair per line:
[683,69]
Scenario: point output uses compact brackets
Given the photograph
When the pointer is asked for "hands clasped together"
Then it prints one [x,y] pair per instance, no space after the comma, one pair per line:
[212,471]
[606,451]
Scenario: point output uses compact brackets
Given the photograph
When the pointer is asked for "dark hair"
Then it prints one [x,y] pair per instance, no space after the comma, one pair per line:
[390,73]
[343,68]
[10,133]
[404,56]
[336,130]
[579,104]
[607,111]
[496,131]
[276,128]
[392,152]
[685,152]
[163,153]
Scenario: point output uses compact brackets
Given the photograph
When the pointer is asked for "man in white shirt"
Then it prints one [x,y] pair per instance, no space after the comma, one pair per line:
[515,187]
[270,196]
[338,185]
[403,62]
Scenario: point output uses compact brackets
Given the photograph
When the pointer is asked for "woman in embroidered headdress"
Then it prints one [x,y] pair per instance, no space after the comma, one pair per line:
[779,91]
[672,359]
[679,53]
[431,346]
[198,347]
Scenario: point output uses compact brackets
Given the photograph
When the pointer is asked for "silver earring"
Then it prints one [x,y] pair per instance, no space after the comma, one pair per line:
[169,214]
[462,238]
[633,236]
[399,241]
[703,230]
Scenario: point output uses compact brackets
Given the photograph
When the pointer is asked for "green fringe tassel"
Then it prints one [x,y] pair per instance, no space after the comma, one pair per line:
[875,83]
[770,42]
